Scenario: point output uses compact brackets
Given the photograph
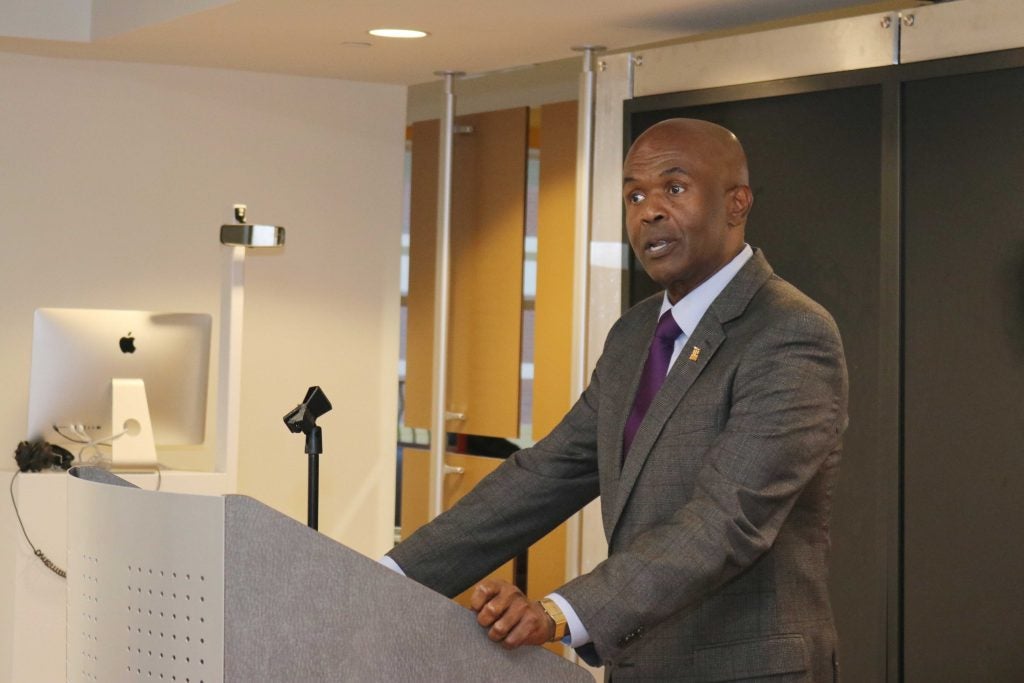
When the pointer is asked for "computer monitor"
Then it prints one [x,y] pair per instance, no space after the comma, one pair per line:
[78,353]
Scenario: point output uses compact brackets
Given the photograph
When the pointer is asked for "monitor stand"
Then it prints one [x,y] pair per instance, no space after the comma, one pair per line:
[136,448]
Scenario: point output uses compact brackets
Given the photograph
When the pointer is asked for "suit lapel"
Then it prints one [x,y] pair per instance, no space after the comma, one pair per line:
[611,456]
[708,337]
[680,378]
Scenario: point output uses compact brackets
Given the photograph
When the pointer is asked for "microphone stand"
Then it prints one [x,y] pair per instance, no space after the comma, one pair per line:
[314,447]
[303,419]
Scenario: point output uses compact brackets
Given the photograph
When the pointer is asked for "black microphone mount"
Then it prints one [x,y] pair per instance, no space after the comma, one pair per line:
[303,419]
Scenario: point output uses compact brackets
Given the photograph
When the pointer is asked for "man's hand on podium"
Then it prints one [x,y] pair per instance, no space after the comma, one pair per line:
[510,619]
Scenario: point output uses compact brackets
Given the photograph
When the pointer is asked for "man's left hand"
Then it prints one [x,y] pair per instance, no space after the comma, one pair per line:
[510,619]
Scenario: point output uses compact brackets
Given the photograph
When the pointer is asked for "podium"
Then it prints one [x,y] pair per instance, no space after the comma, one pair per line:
[201,589]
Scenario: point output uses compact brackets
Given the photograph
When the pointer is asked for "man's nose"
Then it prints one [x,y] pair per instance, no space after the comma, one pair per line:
[652,211]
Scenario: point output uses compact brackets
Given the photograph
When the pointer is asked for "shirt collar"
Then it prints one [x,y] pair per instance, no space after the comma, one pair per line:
[691,308]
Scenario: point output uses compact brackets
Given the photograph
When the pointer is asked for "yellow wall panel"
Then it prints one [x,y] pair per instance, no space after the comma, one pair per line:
[488,225]
[555,226]
[488,222]
[422,249]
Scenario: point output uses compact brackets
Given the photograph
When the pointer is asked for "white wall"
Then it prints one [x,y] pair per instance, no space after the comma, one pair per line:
[114,180]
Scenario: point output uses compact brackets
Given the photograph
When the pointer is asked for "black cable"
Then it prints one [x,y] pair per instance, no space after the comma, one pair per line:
[36,551]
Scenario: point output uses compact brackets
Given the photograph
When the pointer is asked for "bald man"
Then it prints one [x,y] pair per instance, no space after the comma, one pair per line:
[712,431]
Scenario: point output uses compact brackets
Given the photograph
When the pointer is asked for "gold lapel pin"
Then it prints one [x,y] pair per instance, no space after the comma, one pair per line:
[695,354]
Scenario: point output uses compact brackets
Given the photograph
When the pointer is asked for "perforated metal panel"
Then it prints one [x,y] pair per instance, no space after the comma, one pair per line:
[168,629]
[145,585]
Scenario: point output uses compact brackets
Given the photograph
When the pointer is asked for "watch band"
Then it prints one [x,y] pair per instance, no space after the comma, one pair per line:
[552,609]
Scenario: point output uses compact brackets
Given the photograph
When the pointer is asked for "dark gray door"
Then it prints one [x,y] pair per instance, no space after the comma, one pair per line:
[964,363]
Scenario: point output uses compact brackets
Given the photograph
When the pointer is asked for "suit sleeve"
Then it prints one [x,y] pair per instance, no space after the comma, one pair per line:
[787,414]
[530,494]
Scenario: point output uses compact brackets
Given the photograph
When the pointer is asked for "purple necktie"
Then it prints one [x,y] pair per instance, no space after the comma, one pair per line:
[653,376]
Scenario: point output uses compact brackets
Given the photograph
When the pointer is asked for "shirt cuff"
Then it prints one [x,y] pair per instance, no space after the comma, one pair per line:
[577,635]
[391,564]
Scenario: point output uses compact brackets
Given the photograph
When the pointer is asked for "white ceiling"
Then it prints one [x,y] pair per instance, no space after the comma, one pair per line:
[308,37]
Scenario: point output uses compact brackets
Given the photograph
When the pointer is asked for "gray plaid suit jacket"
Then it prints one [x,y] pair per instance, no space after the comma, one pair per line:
[717,520]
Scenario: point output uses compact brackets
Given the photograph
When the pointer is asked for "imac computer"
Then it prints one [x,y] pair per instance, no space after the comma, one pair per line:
[128,379]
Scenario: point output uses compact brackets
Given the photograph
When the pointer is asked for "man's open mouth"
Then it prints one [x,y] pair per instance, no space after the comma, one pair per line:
[656,247]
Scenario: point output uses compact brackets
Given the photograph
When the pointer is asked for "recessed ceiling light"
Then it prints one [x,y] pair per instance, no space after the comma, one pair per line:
[397,33]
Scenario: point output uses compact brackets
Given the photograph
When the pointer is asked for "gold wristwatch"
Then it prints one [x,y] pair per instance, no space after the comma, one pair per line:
[552,609]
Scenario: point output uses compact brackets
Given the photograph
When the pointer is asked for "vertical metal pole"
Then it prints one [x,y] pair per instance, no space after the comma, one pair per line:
[581,265]
[581,241]
[439,403]
[229,373]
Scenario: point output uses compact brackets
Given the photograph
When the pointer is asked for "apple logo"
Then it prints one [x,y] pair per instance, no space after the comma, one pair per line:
[127,343]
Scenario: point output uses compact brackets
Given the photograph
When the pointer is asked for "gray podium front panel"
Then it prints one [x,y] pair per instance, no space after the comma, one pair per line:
[198,589]
[290,589]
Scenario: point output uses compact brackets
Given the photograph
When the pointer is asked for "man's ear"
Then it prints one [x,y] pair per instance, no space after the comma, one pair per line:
[739,203]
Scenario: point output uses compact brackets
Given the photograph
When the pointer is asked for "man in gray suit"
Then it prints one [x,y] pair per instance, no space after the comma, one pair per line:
[716,475]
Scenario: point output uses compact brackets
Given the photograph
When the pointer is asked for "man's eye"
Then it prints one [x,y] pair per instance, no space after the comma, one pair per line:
[635,197]
[676,188]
